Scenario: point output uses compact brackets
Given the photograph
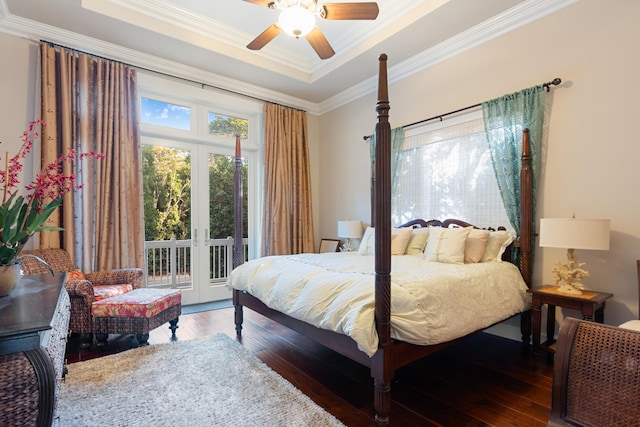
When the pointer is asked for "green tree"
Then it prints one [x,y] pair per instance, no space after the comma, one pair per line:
[166,174]
[167,189]
[229,126]
[221,189]
[221,179]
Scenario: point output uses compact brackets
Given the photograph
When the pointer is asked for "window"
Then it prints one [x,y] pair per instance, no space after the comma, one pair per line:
[188,139]
[445,171]
[226,126]
[165,114]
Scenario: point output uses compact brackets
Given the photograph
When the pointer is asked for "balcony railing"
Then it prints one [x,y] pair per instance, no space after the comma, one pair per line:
[168,262]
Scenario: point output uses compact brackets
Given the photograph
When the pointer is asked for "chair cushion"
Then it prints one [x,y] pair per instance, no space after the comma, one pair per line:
[143,302]
[634,325]
[107,291]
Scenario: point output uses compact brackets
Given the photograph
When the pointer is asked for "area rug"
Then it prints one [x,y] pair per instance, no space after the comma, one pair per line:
[209,382]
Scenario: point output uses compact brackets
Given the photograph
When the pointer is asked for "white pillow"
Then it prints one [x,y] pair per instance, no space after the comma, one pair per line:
[496,245]
[475,246]
[399,240]
[367,244]
[418,241]
[446,244]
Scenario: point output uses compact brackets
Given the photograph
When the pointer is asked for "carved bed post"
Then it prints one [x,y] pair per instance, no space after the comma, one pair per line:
[382,366]
[238,246]
[526,227]
[373,188]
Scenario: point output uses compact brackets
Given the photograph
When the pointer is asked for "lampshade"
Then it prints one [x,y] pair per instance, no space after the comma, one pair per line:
[575,233]
[350,229]
[296,21]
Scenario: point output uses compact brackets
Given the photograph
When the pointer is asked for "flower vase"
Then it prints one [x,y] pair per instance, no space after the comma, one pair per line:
[9,277]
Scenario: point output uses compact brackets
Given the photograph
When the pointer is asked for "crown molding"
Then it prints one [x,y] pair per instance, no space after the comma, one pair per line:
[36,31]
[232,42]
[518,16]
[163,17]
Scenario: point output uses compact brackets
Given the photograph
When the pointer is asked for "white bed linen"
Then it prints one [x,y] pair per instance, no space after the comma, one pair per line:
[431,302]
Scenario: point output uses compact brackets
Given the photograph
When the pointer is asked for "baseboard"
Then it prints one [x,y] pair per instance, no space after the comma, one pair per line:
[213,305]
[509,329]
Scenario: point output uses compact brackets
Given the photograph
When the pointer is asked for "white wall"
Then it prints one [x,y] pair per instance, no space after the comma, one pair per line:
[20,102]
[590,161]
[313,133]
[18,74]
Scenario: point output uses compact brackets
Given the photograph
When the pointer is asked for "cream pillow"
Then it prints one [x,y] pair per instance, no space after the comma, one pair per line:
[418,241]
[446,244]
[496,245]
[399,240]
[475,245]
[367,244]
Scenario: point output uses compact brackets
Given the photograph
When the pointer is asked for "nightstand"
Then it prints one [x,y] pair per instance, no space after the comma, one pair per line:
[589,303]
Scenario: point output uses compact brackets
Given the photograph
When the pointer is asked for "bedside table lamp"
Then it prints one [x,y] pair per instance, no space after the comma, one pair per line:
[573,233]
[349,230]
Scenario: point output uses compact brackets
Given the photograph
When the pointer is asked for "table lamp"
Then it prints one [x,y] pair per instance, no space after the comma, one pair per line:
[349,230]
[573,233]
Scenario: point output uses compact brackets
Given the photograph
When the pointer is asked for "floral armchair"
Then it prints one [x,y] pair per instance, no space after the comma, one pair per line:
[83,288]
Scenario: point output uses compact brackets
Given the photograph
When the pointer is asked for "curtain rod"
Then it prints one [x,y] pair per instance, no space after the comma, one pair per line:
[554,82]
[202,85]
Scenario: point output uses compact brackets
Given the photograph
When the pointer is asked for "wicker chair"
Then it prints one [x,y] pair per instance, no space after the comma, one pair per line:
[81,292]
[596,376]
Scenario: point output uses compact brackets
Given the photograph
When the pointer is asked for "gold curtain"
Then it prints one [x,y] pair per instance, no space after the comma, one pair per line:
[91,104]
[287,222]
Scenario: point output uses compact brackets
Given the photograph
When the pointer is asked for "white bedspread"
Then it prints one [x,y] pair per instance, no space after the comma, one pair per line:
[431,302]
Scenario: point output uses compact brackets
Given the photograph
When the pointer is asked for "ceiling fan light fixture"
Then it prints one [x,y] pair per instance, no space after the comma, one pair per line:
[296,21]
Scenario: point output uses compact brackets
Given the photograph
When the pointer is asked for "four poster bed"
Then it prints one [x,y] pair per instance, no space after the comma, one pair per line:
[340,301]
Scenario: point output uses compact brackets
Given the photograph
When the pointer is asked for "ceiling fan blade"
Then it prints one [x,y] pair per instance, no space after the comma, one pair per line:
[265,37]
[335,11]
[320,44]
[264,3]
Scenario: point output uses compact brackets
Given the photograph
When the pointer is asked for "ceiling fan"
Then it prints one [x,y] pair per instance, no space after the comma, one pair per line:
[298,18]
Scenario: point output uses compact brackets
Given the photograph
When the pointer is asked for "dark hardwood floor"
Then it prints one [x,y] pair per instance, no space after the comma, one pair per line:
[483,380]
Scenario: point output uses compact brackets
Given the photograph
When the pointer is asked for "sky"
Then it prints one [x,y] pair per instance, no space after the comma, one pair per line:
[165,114]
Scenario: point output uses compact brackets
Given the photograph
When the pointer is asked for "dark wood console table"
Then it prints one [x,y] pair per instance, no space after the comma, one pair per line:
[34,321]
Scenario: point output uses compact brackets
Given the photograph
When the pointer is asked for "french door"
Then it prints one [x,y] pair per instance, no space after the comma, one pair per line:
[189,201]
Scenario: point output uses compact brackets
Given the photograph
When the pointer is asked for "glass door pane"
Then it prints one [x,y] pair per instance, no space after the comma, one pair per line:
[189,219]
[166,173]
[221,169]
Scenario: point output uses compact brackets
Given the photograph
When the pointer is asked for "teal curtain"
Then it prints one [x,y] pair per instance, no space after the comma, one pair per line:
[504,120]
[397,137]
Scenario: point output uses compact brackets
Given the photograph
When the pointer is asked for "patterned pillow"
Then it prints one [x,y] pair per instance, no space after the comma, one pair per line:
[107,291]
[75,275]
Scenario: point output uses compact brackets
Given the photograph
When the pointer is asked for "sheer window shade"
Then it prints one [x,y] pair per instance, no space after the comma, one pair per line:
[445,171]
